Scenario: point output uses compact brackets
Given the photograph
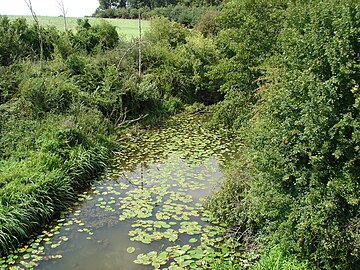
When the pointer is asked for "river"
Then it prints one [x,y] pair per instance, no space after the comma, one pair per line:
[146,211]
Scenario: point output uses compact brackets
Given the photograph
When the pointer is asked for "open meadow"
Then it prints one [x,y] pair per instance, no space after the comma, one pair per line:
[125,28]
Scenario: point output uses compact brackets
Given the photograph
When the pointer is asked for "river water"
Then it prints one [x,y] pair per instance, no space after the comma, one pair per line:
[145,213]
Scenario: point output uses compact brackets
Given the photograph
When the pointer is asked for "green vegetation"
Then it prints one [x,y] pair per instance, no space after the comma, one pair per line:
[64,99]
[55,132]
[126,28]
[162,207]
[298,183]
[281,76]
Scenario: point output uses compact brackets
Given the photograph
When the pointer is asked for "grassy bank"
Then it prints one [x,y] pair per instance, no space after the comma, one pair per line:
[43,168]
[126,28]
[55,137]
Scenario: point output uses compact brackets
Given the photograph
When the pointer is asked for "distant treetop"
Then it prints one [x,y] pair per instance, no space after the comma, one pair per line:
[106,4]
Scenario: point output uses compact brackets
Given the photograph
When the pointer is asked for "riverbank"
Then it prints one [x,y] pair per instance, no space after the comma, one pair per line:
[49,164]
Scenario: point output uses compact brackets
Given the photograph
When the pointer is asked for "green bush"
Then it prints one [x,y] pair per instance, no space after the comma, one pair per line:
[95,38]
[179,67]
[14,40]
[302,133]
[278,259]
[207,23]
[166,32]
[48,94]
[247,35]
[9,83]
[305,137]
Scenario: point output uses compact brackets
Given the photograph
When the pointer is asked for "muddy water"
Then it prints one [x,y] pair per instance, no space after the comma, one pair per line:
[146,212]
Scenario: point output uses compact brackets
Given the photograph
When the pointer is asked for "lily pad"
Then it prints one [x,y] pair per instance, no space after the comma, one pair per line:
[130,250]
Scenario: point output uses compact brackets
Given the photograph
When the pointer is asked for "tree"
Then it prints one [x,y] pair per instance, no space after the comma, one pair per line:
[106,4]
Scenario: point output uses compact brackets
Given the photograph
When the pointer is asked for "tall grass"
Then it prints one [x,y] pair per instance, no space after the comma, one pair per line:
[277,259]
[38,183]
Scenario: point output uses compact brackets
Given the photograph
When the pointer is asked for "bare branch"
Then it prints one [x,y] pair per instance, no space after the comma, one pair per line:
[140,37]
[125,123]
[38,28]
[64,11]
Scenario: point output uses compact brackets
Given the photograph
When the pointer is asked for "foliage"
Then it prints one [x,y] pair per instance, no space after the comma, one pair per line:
[207,23]
[277,259]
[38,180]
[247,35]
[18,40]
[164,31]
[228,204]
[102,36]
[177,62]
[302,138]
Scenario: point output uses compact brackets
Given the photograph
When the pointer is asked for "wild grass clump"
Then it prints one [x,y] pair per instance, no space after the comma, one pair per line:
[40,182]
[277,259]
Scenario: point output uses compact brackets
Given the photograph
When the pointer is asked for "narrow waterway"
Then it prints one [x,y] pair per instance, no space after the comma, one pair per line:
[145,213]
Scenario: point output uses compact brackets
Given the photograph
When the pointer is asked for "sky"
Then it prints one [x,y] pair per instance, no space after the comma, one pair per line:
[75,8]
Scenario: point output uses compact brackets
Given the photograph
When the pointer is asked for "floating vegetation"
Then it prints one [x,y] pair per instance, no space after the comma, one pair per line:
[152,196]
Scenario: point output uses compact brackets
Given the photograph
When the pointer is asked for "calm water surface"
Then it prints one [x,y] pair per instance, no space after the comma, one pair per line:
[150,200]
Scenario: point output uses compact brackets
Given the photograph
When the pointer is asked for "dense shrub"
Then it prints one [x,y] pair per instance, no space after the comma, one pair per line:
[8,83]
[166,32]
[19,40]
[302,142]
[177,62]
[247,36]
[48,94]
[90,38]
[207,23]
[313,139]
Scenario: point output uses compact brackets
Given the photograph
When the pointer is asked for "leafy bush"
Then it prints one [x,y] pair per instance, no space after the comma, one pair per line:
[167,32]
[90,38]
[8,83]
[48,94]
[302,140]
[18,40]
[207,23]
[178,66]
[247,36]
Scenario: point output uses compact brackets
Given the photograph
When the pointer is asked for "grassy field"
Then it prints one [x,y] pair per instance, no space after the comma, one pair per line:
[126,28]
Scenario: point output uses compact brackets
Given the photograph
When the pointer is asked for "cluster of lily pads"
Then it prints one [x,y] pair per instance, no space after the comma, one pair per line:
[157,183]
